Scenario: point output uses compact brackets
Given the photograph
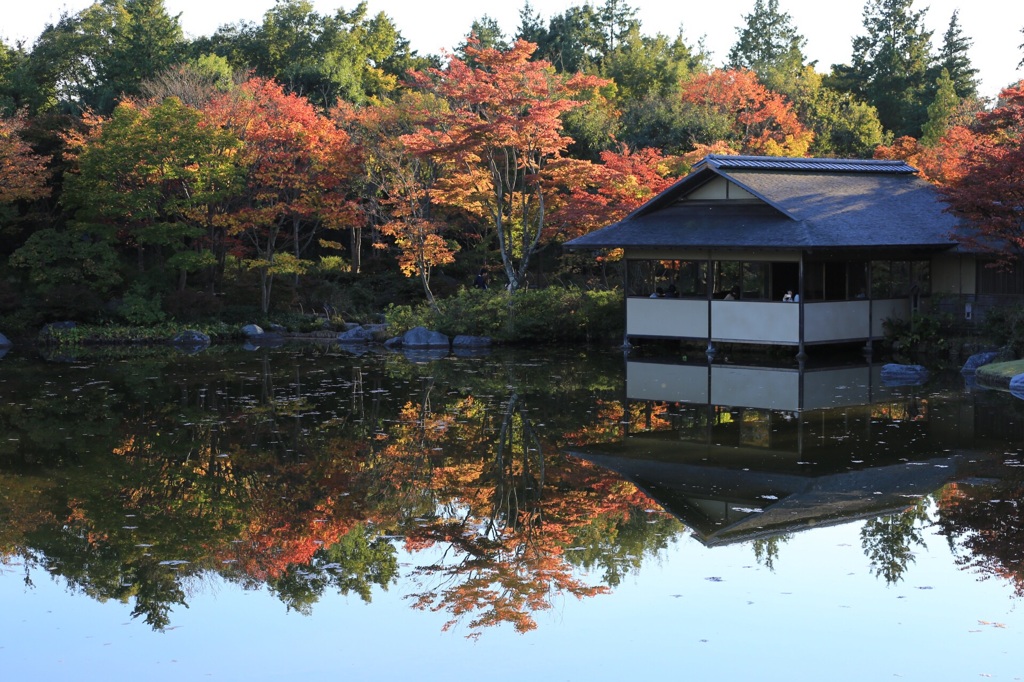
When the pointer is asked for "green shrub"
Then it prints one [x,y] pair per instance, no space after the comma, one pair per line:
[548,315]
[1005,326]
[140,308]
[923,336]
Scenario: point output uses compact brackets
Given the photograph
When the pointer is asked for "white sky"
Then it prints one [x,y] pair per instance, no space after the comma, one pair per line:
[829,25]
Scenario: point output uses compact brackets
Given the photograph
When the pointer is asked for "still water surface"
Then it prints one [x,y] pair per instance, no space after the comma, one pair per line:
[304,512]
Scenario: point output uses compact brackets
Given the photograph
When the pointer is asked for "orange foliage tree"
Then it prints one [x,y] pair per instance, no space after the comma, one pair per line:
[22,171]
[760,121]
[298,164]
[501,132]
[398,183]
[943,163]
[591,195]
[989,194]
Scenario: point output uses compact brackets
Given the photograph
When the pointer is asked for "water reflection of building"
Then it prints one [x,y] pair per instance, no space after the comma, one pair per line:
[738,453]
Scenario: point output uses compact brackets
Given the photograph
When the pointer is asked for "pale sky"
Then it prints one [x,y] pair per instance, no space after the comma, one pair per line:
[829,25]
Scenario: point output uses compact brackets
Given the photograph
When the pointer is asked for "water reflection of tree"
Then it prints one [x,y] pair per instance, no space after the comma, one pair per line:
[985,528]
[766,550]
[268,476]
[509,526]
[889,541]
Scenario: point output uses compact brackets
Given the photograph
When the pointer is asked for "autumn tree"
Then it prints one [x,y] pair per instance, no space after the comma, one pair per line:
[738,110]
[592,195]
[156,179]
[23,173]
[500,134]
[990,194]
[194,82]
[296,164]
[397,182]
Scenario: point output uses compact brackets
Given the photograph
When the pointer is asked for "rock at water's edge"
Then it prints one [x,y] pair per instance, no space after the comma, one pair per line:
[977,360]
[420,337]
[904,375]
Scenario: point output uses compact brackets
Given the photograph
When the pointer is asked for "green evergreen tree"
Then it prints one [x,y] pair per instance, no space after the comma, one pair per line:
[93,58]
[348,55]
[13,62]
[531,26]
[487,33]
[940,111]
[954,60]
[770,46]
[618,20]
[574,41]
[643,65]
[890,66]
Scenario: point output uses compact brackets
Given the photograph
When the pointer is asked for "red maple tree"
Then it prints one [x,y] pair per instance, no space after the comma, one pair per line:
[989,195]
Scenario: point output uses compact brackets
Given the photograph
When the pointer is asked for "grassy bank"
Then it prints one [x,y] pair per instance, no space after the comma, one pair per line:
[997,375]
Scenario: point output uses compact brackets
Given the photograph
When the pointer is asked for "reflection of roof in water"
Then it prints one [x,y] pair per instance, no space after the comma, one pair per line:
[725,501]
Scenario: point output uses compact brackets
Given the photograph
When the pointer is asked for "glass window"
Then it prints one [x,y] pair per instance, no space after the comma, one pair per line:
[814,281]
[755,281]
[692,279]
[857,280]
[728,275]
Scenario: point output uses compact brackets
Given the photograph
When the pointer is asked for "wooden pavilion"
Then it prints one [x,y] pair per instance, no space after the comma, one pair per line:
[787,251]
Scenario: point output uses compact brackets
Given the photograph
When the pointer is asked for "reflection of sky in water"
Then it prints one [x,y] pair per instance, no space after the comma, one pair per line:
[695,611]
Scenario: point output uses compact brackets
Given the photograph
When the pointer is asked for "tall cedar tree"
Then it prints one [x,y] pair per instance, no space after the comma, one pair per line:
[891,65]
[502,131]
[953,58]
[769,46]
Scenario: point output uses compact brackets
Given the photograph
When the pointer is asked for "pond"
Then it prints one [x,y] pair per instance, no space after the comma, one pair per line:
[304,511]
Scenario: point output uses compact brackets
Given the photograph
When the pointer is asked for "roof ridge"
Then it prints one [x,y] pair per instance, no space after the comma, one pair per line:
[790,163]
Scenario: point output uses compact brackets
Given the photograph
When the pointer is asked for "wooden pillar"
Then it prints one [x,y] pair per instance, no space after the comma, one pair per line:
[710,351]
[625,305]
[801,354]
[869,344]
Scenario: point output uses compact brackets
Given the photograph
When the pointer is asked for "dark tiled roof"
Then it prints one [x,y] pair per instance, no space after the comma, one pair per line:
[807,203]
[800,164]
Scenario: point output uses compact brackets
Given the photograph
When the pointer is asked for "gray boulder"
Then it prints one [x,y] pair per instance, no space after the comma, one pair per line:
[252,330]
[977,360]
[420,337]
[5,342]
[355,335]
[1017,386]
[191,341]
[393,343]
[904,375]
